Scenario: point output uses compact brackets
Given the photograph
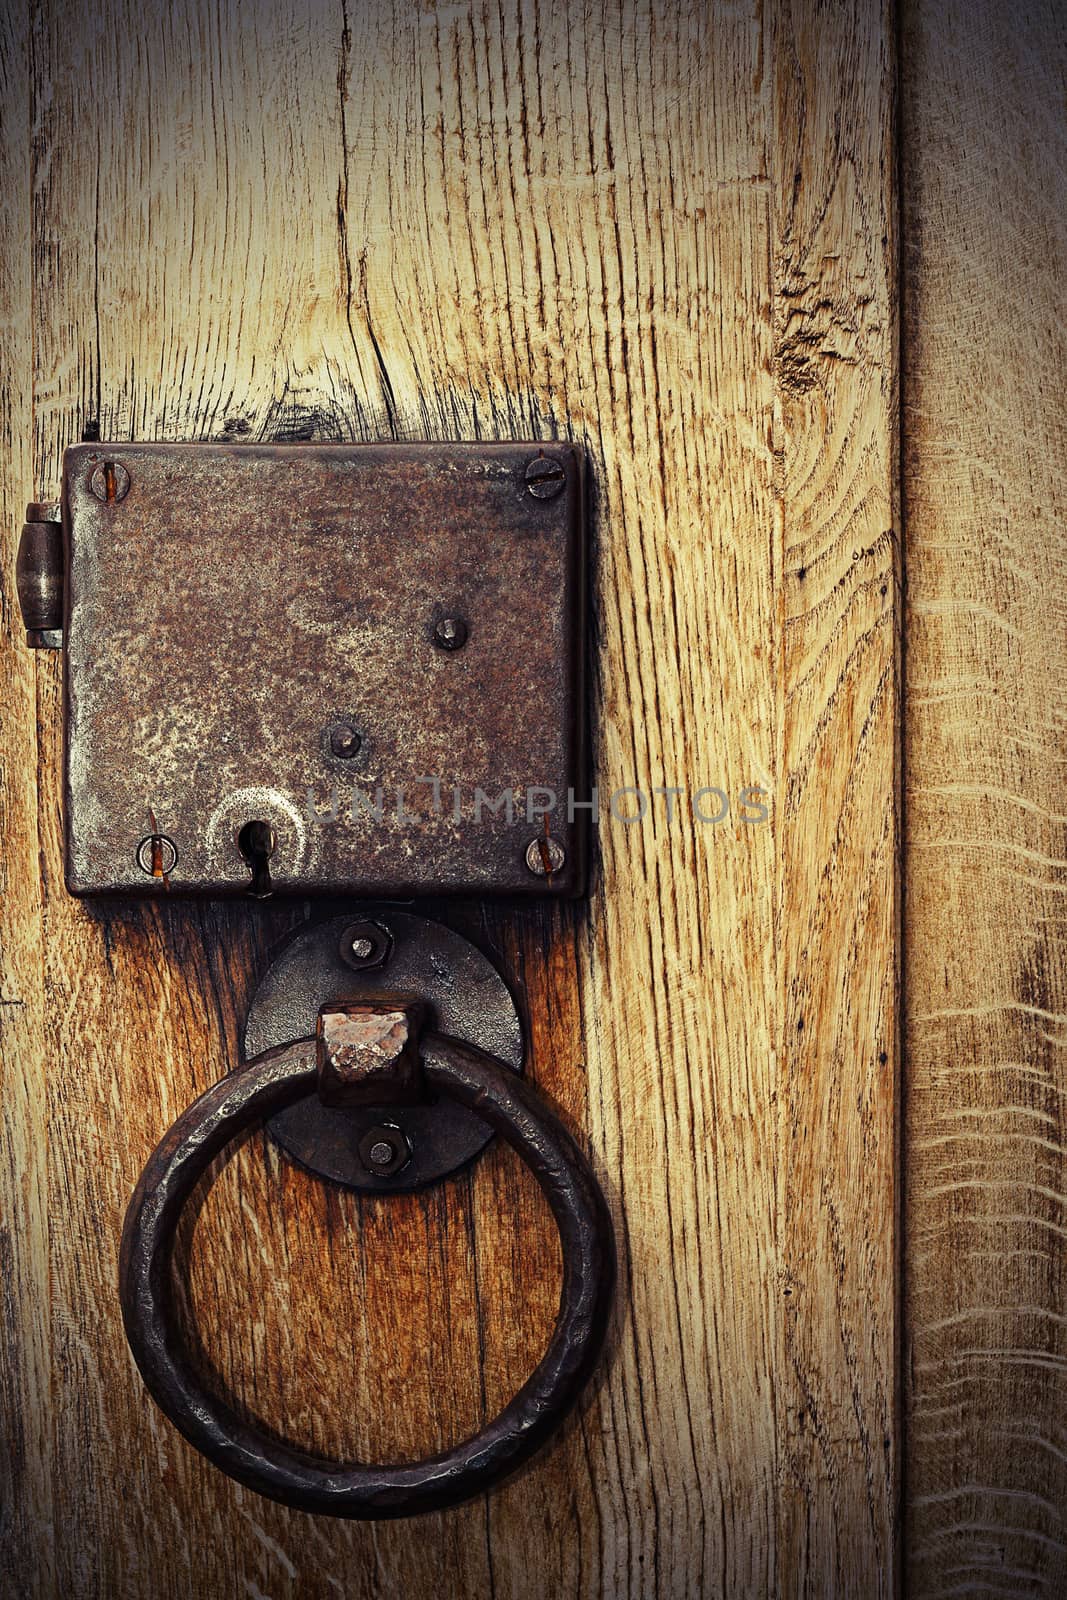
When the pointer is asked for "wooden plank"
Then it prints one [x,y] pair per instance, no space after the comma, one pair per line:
[986,1000]
[837,911]
[26,1556]
[663,231]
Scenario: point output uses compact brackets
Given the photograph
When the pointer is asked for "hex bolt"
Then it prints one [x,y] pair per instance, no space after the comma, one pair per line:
[384,1150]
[365,946]
[345,741]
[450,633]
[110,481]
[545,477]
[545,855]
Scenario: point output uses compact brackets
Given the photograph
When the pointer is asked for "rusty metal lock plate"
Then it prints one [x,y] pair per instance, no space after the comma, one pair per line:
[340,646]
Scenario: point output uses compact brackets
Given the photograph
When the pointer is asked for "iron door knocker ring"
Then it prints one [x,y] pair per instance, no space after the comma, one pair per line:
[418,613]
[267,1084]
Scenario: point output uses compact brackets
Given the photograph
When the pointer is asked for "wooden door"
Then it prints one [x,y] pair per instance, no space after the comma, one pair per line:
[665,231]
[984,142]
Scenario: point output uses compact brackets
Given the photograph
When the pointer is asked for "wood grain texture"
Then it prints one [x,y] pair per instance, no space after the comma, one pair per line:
[985,168]
[26,1550]
[837,863]
[664,231]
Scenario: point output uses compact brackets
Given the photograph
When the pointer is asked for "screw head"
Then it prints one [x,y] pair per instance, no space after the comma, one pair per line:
[345,741]
[545,477]
[450,633]
[157,855]
[110,481]
[545,855]
[365,946]
[384,1150]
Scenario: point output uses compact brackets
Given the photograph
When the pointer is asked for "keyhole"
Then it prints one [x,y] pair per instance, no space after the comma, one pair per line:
[257,842]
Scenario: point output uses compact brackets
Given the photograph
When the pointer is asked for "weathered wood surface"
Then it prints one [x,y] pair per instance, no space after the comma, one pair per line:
[985,217]
[666,232]
[26,1545]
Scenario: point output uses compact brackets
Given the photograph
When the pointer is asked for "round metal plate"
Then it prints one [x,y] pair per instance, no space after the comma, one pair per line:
[467,998]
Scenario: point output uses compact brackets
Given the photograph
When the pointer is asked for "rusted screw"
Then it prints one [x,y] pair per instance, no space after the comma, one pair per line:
[545,477]
[157,855]
[384,1150]
[545,855]
[110,481]
[365,946]
[345,741]
[450,633]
